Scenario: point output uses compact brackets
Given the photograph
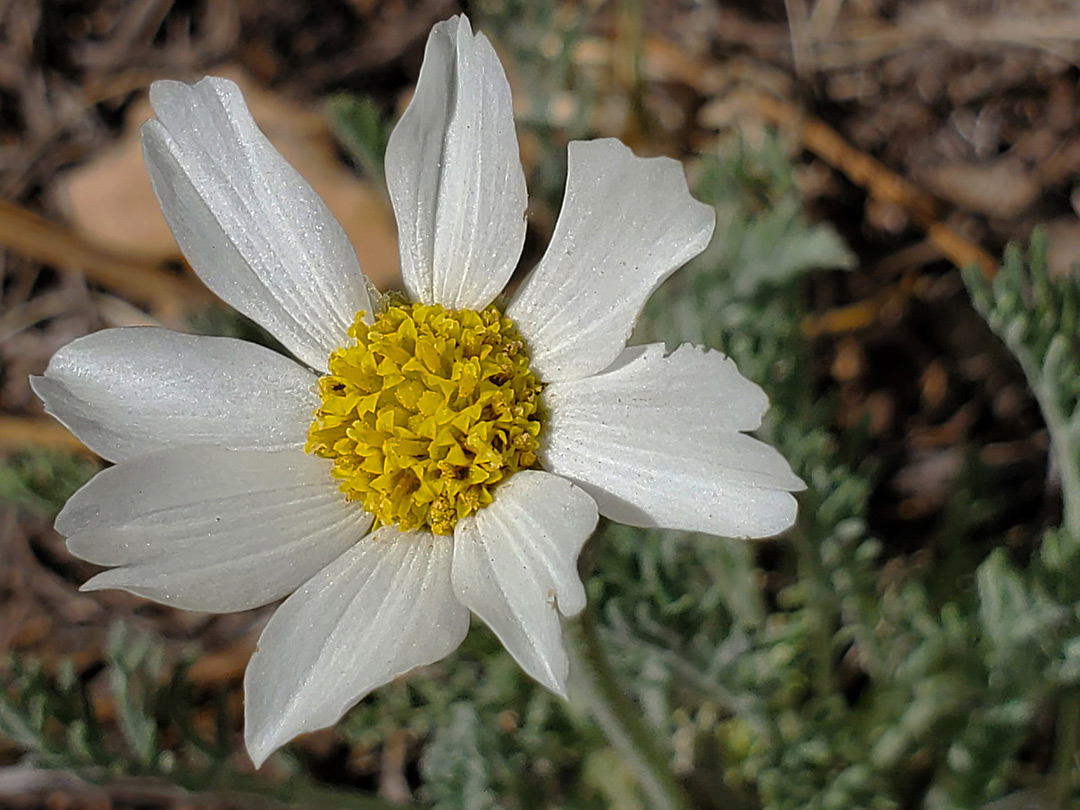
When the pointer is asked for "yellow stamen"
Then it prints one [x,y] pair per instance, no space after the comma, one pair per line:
[427,413]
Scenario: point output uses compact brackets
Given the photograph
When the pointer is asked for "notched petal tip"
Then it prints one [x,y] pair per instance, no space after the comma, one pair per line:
[626,224]
[49,391]
[37,386]
[617,155]
[657,439]
[152,136]
[166,91]
[454,174]
[452,26]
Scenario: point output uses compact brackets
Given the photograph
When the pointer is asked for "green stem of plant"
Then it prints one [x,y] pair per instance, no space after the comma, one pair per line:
[1063,446]
[822,603]
[1065,443]
[1066,746]
[594,682]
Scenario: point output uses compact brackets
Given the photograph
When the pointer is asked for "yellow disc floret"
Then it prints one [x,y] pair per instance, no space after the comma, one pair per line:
[427,413]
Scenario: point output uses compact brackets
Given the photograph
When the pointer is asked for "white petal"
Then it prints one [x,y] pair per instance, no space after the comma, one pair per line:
[383,607]
[249,224]
[132,391]
[672,459]
[626,224]
[454,174]
[202,528]
[515,566]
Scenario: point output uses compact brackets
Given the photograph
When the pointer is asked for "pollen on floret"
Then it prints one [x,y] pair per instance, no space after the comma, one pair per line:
[427,413]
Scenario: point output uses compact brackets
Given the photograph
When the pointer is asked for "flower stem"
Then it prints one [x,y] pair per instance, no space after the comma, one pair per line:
[593,681]
[1066,746]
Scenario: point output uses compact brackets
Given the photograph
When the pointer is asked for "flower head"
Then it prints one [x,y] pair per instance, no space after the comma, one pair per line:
[427,413]
[417,460]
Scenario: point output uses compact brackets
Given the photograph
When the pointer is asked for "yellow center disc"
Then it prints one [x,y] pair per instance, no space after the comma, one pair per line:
[427,413]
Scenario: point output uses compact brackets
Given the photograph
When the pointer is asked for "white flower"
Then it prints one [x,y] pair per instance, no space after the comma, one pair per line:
[213,503]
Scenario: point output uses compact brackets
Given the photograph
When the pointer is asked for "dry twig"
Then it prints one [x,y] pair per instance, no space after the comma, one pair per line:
[877,179]
[21,433]
[168,296]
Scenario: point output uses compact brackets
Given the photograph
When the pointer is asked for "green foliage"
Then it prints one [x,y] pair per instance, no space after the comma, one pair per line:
[52,716]
[479,699]
[42,480]
[1032,617]
[457,762]
[362,130]
[224,321]
[1038,317]
[762,236]
[51,713]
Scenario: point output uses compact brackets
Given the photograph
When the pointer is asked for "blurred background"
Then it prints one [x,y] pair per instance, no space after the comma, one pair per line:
[913,643]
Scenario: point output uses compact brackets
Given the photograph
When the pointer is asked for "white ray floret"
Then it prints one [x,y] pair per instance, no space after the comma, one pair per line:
[514,567]
[204,528]
[252,228]
[383,607]
[454,174]
[129,392]
[655,441]
[626,224]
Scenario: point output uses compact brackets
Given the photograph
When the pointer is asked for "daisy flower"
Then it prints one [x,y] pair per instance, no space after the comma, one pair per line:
[416,459]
